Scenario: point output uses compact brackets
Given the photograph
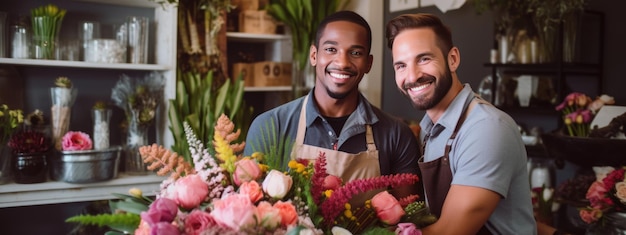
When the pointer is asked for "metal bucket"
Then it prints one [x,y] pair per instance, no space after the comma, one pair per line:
[85,166]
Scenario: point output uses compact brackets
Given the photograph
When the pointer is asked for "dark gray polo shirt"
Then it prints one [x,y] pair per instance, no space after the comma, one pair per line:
[397,146]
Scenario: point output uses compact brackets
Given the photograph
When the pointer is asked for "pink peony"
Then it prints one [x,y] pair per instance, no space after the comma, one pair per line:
[246,170]
[407,229]
[252,189]
[198,221]
[596,191]
[268,215]
[235,211]
[288,213]
[164,228]
[161,210]
[332,182]
[76,140]
[190,191]
[387,208]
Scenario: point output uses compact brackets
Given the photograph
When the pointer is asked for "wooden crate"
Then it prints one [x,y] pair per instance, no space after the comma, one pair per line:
[269,73]
[256,22]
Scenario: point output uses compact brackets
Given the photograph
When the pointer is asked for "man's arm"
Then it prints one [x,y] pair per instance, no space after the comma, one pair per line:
[465,210]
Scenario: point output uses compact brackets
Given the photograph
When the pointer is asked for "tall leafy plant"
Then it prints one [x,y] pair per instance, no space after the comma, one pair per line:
[200,104]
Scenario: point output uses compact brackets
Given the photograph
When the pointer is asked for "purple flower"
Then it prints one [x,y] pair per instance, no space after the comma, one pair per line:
[164,228]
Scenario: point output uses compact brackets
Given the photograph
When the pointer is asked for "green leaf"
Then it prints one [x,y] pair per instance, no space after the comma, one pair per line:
[128,206]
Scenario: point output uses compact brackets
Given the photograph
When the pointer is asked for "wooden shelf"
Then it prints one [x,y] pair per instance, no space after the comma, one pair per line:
[255,37]
[267,88]
[51,192]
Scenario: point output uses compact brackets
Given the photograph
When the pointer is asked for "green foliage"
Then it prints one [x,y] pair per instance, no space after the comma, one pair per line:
[125,222]
[200,104]
[277,149]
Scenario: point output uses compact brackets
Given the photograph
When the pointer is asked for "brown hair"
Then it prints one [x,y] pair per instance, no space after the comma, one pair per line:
[420,20]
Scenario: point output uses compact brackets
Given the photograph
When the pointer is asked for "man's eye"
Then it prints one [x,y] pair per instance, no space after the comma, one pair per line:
[356,53]
[330,49]
[424,60]
[399,67]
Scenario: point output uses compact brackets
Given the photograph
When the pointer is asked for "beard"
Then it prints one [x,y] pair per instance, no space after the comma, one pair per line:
[442,86]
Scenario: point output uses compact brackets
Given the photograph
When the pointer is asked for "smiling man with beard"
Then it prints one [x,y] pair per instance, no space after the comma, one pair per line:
[358,139]
[473,161]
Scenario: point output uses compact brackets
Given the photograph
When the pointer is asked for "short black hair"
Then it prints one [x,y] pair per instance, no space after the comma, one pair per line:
[349,16]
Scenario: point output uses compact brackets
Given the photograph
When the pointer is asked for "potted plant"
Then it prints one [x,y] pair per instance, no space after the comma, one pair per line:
[10,119]
[29,150]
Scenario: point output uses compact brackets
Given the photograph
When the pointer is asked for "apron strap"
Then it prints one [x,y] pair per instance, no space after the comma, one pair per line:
[302,123]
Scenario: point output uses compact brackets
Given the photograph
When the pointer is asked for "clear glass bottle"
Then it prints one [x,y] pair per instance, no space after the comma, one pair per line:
[20,41]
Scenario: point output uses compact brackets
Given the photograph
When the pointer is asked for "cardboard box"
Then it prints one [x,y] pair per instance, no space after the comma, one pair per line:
[256,22]
[243,5]
[246,71]
[268,73]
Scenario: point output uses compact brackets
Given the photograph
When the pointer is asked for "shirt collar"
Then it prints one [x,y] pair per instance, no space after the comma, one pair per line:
[450,117]
[363,114]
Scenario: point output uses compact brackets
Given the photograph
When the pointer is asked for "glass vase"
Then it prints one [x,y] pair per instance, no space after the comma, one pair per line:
[45,34]
[60,112]
[570,33]
[137,136]
[101,119]
[6,174]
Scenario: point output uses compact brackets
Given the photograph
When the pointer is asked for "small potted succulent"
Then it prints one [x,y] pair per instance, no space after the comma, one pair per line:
[29,150]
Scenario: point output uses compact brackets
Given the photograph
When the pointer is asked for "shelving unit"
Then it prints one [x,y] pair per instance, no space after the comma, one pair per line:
[90,77]
[250,47]
[586,68]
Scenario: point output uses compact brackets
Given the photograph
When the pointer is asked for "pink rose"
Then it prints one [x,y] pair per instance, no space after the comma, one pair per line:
[190,191]
[288,213]
[331,182]
[235,211]
[620,191]
[407,229]
[246,170]
[590,216]
[76,140]
[198,221]
[277,184]
[252,189]
[387,208]
[268,215]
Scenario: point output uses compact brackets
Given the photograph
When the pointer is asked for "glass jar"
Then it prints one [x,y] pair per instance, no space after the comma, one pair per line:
[29,168]
[105,51]
[101,119]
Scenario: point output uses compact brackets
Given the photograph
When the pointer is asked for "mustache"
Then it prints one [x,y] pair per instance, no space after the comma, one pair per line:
[423,79]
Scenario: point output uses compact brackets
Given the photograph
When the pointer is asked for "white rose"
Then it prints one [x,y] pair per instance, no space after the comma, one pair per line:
[340,231]
[277,184]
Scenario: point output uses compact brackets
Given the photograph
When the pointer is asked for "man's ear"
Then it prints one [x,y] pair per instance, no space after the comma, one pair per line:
[454,59]
[313,55]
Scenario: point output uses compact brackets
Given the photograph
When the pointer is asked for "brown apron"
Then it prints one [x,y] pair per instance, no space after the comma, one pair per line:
[347,166]
[437,174]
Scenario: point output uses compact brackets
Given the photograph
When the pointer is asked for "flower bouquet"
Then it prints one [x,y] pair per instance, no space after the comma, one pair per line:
[10,119]
[46,24]
[578,111]
[606,209]
[139,98]
[232,194]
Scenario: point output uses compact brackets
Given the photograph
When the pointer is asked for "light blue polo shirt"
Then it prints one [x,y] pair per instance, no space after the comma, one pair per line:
[488,152]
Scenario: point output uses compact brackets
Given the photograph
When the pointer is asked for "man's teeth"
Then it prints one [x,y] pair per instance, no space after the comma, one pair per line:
[420,87]
[340,76]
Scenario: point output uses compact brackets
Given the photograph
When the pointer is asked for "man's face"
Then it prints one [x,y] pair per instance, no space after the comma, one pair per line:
[421,70]
[341,59]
